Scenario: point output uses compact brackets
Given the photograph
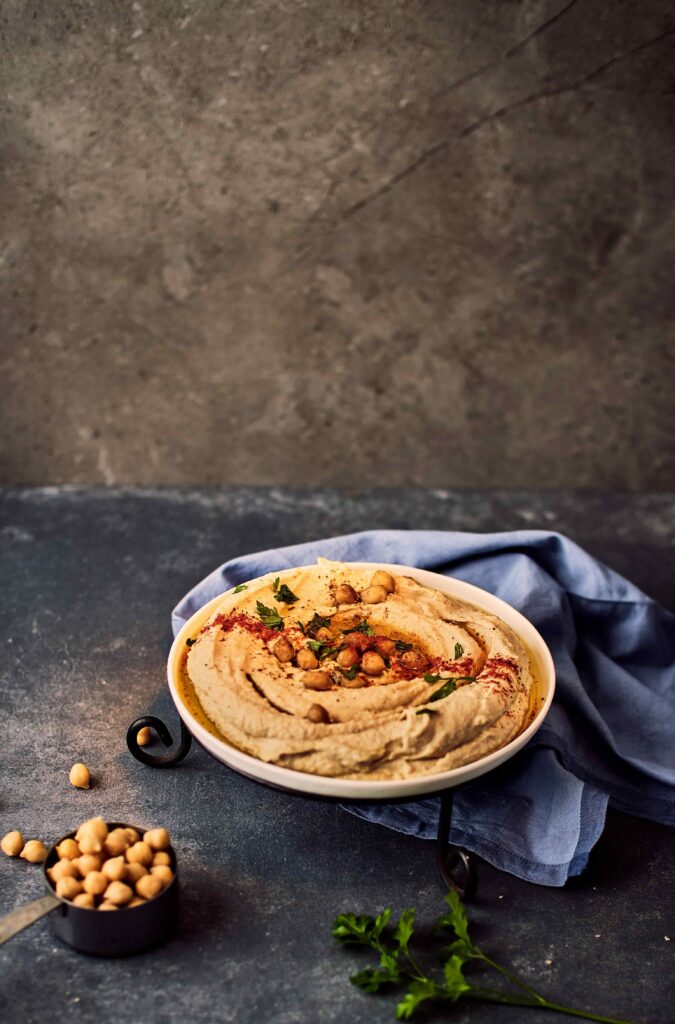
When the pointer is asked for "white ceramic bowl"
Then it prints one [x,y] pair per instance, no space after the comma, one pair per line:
[390,789]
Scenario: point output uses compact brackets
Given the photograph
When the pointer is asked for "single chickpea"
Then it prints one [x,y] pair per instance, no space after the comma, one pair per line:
[12,844]
[348,658]
[89,843]
[34,851]
[414,660]
[68,888]
[387,648]
[372,663]
[283,650]
[136,902]
[114,868]
[139,853]
[163,872]
[345,594]
[353,684]
[63,869]
[84,899]
[374,595]
[323,634]
[118,893]
[79,776]
[68,849]
[157,839]
[317,714]
[106,905]
[148,886]
[144,736]
[134,836]
[93,826]
[96,883]
[87,862]
[117,842]
[317,679]
[380,578]
[135,871]
[161,857]
[306,659]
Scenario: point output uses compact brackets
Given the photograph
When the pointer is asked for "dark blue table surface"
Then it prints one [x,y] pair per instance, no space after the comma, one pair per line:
[89,579]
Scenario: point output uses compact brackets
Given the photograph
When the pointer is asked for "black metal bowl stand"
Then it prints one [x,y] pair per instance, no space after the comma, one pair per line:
[456,865]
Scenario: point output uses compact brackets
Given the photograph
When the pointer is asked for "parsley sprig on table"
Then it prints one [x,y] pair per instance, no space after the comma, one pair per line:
[391,941]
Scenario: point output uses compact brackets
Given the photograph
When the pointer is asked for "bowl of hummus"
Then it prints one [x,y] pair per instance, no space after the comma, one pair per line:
[360,680]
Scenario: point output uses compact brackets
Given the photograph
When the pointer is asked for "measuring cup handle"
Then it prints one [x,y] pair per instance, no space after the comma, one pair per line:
[14,922]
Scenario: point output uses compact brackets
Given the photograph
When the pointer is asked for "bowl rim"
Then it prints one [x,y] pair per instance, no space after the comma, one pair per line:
[364,789]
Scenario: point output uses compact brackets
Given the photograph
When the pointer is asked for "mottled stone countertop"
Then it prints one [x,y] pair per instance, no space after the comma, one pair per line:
[89,579]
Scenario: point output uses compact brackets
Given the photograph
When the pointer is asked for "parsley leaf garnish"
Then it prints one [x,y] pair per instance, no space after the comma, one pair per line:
[444,691]
[449,684]
[316,622]
[241,586]
[401,645]
[269,616]
[360,627]
[390,940]
[285,594]
[429,677]
[275,585]
[322,650]
[348,673]
[459,651]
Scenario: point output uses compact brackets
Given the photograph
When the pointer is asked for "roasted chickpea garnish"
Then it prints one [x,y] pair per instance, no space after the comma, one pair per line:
[348,658]
[380,578]
[317,679]
[306,659]
[414,660]
[317,714]
[345,594]
[283,650]
[374,595]
[372,663]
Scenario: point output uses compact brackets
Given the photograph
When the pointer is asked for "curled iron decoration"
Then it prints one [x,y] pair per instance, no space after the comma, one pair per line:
[168,760]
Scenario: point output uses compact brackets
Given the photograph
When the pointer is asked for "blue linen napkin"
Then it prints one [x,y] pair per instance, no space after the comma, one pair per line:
[609,736]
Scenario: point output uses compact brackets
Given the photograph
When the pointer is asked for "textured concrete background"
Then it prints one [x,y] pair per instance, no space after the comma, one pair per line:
[373,242]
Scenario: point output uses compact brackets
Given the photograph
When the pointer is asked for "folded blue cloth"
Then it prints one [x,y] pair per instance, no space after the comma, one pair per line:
[609,736]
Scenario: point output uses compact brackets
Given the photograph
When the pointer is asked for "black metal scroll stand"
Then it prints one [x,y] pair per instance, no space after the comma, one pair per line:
[167,760]
[457,867]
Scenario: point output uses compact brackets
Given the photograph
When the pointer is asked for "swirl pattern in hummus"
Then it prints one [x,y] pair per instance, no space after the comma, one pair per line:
[326,671]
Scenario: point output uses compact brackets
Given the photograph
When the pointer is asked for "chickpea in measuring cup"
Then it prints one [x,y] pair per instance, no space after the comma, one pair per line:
[110,868]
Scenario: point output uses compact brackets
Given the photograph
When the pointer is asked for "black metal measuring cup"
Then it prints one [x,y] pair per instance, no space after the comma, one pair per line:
[99,932]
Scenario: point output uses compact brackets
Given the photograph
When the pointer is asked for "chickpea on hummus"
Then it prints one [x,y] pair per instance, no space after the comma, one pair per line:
[348,672]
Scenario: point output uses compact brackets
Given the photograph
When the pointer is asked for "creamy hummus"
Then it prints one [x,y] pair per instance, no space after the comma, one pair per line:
[356,673]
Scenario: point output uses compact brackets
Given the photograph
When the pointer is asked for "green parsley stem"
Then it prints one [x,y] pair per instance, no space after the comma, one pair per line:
[495,996]
[479,955]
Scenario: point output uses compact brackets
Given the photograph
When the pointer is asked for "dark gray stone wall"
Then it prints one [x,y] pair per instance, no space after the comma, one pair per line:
[360,243]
